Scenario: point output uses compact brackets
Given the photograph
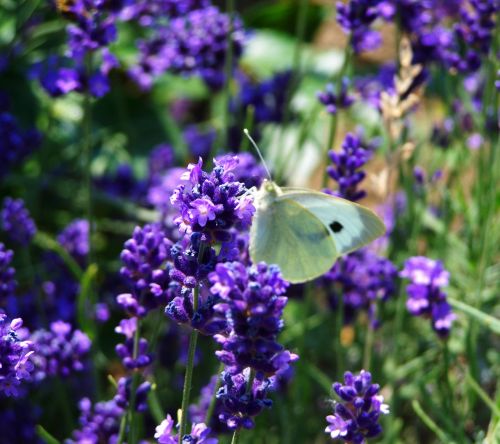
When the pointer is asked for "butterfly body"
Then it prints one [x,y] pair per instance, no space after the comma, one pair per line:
[305,231]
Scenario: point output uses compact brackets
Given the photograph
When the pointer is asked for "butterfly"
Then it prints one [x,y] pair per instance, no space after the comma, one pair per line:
[305,231]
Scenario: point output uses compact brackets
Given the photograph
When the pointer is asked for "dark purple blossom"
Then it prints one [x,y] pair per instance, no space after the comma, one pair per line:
[362,279]
[200,143]
[161,159]
[60,351]
[356,415]
[248,170]
[122,397]
[198,412]
[267,98]
[425,295]
[16,356]
[132,358]
[18,423]
[16,221]
[252,301]
[122,183]
[149,12]
[212,203]
[346,168]
[99,423]
[145,257]
[333,100]
[15,144]
[75,240]
[240,404]
[193,44]
[355,18]
[8,282]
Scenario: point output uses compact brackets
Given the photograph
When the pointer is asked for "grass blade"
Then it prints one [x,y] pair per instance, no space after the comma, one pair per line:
[484,319]
[443,437]
[46,436]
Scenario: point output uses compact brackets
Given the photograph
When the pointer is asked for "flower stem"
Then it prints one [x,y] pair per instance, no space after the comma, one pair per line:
[367,353]
[193,338]
[228,74]
[87,155]
[236,437]
[348,53]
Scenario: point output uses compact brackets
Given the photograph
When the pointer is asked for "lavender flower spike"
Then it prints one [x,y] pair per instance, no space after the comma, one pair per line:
[356,416]
[16,221]
[200,434]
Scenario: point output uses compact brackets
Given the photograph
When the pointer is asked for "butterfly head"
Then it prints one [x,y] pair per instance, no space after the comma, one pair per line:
[267,193]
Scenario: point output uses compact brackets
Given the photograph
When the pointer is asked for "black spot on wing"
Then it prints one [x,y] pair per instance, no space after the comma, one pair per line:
[336,226]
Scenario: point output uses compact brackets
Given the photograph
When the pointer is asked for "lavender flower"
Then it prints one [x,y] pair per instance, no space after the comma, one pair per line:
[193,44]
[123,395]
[160,160]
[15,144]
[240,405]
[199,142]
[18,423]
[267,98]
[16,221]
[355,18]
[148,12]
[252,301]
[200,434]
[98,424]
[333,101]
[16,355]
[356,416]
[75,240]
[212,203]
[346,167]
[198,412]
[145,267]
[60,351]
[362,279]
[8,283]
[125,351]
[425,297]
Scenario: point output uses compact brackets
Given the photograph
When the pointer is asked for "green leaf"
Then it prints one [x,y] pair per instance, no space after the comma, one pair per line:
[45,241]
[86,300]
[46,436]
[482,394]
[440,433]
[484,319]
[155,406]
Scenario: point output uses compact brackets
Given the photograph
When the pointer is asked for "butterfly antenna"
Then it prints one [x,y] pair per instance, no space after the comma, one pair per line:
[259,153]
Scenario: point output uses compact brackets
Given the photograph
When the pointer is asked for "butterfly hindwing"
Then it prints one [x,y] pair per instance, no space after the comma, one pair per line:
[351,226]
[288,234]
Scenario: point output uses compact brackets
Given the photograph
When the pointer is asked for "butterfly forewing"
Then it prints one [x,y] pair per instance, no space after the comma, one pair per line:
[289,235]
[352,226]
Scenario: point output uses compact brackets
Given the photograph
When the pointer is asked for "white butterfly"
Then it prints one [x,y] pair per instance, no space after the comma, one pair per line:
[305,231]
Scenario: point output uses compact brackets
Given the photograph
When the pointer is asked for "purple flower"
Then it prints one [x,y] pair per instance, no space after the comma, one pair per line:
[355,18]
[193,44]
[148,12]
[122,397]
[425,297]
[132,359]
[8,282]
[60,351]
[200,143]
[99,423]
[333,101]
[15,144]
[198,412]
[252,301]
[267,98]
[240,405]
[210,203]
[200,433]
[363,280]
[75,240]
[16,221]
[145,266]
[248,170]
[346,168]
[160,160]
[16,356]
[356,415]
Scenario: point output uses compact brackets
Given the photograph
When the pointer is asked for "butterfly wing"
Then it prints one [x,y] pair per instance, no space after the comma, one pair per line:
[286,233]
[351,225]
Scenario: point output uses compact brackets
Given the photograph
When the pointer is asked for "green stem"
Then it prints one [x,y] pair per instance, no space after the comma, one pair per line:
[228,73]
[87,155]
[236,437]
[367,354]
[186,391]
[339,321]
[348,53]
